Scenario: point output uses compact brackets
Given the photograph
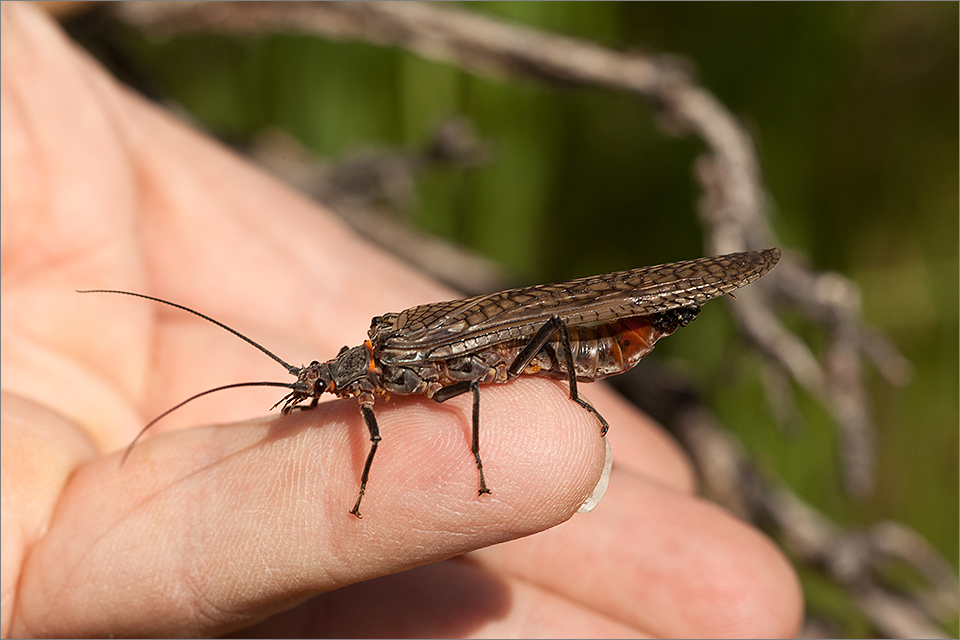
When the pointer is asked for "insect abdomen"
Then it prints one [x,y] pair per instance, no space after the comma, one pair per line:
[608,349]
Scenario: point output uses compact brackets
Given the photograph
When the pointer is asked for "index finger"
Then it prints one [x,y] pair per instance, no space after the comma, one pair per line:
[209,529]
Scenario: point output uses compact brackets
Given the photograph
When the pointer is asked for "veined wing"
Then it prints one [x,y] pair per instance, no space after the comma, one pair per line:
[446,329]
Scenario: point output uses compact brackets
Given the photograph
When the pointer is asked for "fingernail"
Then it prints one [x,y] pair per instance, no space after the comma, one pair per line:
[591,503]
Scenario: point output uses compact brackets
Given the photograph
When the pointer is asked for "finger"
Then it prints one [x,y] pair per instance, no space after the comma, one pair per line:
[640,445]
[663,562]
[40,451]
[210,529]
[452,599]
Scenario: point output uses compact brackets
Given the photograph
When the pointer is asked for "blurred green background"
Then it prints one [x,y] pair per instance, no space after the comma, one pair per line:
[853,108]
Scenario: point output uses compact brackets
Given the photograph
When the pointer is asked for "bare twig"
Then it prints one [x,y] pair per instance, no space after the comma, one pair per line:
[854,559]
[367,187]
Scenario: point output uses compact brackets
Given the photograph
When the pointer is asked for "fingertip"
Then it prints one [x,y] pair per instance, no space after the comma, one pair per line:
[738,583]
[551,451]
[542,457]
[762,596]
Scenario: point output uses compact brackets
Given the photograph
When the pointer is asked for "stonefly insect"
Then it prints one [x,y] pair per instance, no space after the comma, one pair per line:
[580,330]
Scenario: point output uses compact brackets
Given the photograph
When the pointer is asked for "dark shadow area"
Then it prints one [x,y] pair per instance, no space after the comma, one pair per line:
[451,599]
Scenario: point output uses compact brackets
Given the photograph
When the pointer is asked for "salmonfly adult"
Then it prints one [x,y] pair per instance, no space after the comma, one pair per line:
[580,330]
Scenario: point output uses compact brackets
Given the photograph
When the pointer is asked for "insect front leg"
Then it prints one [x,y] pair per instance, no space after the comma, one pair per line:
[371,420]
[553,326]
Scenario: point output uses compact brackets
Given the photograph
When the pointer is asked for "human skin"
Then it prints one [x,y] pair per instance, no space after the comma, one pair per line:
[220,523]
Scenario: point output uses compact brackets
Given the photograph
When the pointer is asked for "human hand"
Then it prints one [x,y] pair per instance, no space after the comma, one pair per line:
[233,526]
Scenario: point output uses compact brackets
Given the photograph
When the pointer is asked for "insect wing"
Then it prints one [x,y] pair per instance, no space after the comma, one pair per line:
[447,329]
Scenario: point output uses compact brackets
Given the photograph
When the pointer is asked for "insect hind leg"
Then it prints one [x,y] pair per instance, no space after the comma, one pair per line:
[553,326]
[572,376]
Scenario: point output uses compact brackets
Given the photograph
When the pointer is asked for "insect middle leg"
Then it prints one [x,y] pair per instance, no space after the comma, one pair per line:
[454,390]
[551,327]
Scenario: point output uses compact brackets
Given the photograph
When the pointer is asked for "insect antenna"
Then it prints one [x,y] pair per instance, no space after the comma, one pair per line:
[292,370]
[126,454]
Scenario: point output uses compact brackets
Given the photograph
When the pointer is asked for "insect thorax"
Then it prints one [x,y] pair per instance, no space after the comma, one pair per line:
[349,367]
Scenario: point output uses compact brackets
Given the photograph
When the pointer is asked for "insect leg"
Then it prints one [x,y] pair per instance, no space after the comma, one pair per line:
[572,376]
[536,343]
[371,421]
[475,387]
[549,328]
[454,390]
